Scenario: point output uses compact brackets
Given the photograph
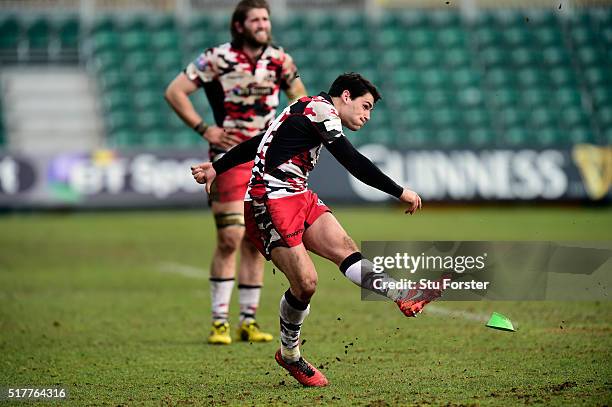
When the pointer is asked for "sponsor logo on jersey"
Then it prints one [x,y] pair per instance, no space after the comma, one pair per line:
[297,232]
[253,91]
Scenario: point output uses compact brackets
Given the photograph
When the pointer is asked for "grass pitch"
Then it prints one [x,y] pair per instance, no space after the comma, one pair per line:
[115,308]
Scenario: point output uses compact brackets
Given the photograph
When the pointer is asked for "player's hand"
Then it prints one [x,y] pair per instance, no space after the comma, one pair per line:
[220,137]
[411,198]
[204,174]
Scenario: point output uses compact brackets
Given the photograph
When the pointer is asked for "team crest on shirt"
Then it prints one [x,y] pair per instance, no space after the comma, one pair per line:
[201,62]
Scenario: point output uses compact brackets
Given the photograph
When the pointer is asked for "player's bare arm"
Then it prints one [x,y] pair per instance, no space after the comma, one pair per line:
[296,90]
[177,96]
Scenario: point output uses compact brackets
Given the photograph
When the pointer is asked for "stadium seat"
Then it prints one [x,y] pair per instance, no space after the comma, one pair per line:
[388,38]
[481,137]
[547,36]
[597,76]
[555,56]
[420,38]
[167,40]
[445,117]
[583,36]
[102,23]
[548,136]
[148,121]
[148,101]
[132,22]
[468,97]
[137,62]
[602,96]
[346,19]
[524,56]
[476,119]
[157,138]
[591,56]
[161,23]
[10,38]
[391,21]
[405,77]
[502,97]
[541,117]
[574,117]
[580,134]
[534,97]
[456,58]
[607,137]
[449,137]
[516,37]
[112,79]
[135,41]
[425,57]
[451,38]
[392,59]
[511,116]
[324,39]
[381,136]
[353,38]
[169,59]
[604,117]
[494,56]
[438,99]
[465,77]
[38,34]
[515,136]
[119,120]
[434,78]
[567,96]
[562,77]
[485,37]
[147,81]
[407,98]
[68,34]
[126,139]
[327,58]
[186,138]
[102,41]
[411,118]
[415,137]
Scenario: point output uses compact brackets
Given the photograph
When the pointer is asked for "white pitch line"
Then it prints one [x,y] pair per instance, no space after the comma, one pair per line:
[183,269]
[470,316]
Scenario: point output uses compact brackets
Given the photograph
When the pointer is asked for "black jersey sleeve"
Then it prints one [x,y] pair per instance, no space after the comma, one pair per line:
[361,167]
[240,154]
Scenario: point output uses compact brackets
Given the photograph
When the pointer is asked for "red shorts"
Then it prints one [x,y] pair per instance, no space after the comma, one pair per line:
[281,222]
[232,184]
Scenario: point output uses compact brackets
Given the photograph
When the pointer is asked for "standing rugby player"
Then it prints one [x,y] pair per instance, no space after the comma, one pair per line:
[242,80]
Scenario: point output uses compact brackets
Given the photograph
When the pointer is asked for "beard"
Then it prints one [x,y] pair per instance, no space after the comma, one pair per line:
[251,39]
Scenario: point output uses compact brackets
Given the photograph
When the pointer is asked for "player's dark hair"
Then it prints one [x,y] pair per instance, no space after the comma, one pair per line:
[356,84]
[240,15]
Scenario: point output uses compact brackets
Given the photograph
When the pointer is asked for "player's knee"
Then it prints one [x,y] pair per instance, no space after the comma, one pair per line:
[306,288]
[228,241]
[249,248]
